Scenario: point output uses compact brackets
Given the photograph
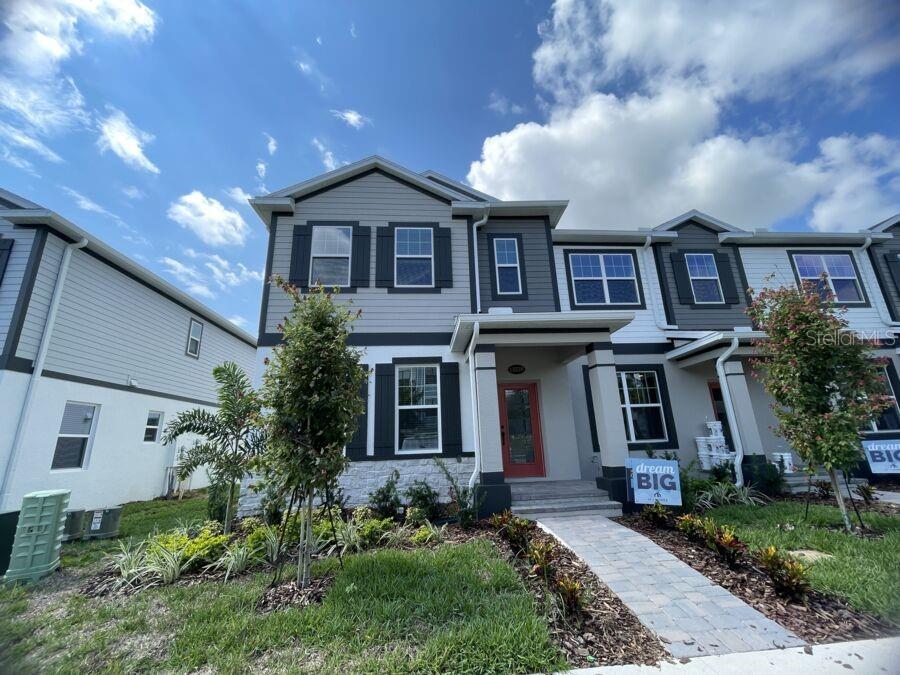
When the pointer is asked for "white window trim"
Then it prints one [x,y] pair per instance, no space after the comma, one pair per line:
[603,278]
[398,408]
[691,277]
[158,427]
[348,256]
[86,460]
[187,349]
[517,265]
[397,256]
[873,423]
[828,276]
[627,405]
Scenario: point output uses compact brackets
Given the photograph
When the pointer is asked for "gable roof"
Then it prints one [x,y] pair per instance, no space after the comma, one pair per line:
[886,224]
[464,191]
[700,217]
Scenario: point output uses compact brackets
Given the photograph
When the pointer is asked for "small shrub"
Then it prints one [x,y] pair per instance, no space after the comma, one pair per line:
[247,525]
[500,520]
[398,537]
[385,501]
[656,515]
[265,538]
[272,502]
[421,496]
[722,494]
[518,533]
[372,531]
[865,492]
[416,516]
[216,501]
[790,577]
[823,489]
[429,534]
[691,526]
[205,546]
[769,479]
[166,564]
[348,538]
[236,559]
[462,499]
[726,544]
[130,563]
[691,486]
[722,473]
[571,594]
[542,555]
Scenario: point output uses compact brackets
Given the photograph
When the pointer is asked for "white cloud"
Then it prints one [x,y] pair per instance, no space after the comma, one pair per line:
[353,32]
[261,167]
[308,68]
[206,217]
[188,276]
[319,40]
[271,143]
[227,275]
[637,158]
[238,321]
[27,142]
[352,118]
[88,204]
[238,195]
[326,155]
[133,192]
[117,133]
[17,162]
[503,106]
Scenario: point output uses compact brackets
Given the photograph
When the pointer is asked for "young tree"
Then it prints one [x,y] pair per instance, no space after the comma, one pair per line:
[231,435]
[311,389]
[826,383]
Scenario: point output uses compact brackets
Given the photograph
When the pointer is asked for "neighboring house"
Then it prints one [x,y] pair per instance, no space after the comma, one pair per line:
[521,353]
[97,354]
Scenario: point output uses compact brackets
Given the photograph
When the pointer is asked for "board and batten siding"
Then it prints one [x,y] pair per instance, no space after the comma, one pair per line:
[110,327]
[643,328]
[15,273]
[538,277]
[375,200]
[771,267]
[889,280]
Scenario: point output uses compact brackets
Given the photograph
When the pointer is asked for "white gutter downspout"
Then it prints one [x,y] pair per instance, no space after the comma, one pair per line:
[473,397]
[882,309]
[729,410]
[38,365]
[475,226]
[645,249]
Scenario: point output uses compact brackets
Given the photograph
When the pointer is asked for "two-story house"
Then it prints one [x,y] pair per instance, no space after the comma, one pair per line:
[535,360]
[97,354]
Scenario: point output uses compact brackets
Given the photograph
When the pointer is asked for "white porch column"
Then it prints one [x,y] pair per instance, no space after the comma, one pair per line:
[493,492]
[607,410]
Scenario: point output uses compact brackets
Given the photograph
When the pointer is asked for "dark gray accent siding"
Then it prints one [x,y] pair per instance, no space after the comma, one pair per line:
[451,426]
[384,410]
[695,238]
[885,261]
[356,448]
[536,265]
[360,263]
[5,251]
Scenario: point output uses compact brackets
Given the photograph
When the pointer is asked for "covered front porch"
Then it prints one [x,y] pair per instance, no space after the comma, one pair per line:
[522,411]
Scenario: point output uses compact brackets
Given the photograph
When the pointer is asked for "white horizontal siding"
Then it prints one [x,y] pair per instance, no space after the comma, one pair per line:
[15,272]
[770,267]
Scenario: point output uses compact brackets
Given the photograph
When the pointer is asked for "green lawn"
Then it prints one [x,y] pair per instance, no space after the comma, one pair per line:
[864,571]
[454,608]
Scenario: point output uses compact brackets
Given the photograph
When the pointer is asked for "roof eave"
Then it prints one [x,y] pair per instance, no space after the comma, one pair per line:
[805,238]
[567,236]
[551,209]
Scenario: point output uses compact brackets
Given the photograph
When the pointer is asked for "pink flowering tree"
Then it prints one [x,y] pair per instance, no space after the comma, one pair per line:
[826,382]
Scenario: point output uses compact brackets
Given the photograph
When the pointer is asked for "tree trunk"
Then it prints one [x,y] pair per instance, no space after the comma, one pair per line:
[839,498]
[305,560]
[226,526]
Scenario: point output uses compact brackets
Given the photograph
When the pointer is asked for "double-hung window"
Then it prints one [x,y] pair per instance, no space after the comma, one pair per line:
[890,418]
[704,275]
[839,275]
[75,433]
[330,251]
[642,408]
[414,257]
[195,336]
[418,422]
[603,279]
[153,426]
[507,268]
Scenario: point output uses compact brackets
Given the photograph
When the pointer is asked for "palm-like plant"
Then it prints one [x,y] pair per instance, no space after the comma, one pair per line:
[232,435]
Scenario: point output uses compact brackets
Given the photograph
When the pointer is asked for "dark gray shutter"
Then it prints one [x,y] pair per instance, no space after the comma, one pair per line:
[726,278]
[384,257]
[384,410]
[682,280]
[443,258]
[5,249]
[893,264]
[300,255]
[592,421]
[451,430]
[356,448]
[359,275]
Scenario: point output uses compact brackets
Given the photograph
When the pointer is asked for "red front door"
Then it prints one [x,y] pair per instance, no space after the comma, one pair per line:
[520,430]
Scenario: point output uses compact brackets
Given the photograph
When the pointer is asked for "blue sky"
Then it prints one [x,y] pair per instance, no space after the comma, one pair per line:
[148,123]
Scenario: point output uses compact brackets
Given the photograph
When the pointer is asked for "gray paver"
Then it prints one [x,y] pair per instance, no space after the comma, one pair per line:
[694,616]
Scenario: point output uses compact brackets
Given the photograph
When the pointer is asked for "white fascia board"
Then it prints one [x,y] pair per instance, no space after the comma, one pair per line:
[582,236]
[700,217]
[553,209]
[712,340]
[266,206]
[461,186]
[804,238]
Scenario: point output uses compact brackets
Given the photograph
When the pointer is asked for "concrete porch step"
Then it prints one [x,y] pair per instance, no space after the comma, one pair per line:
[539,490]
[606,509]
[797,482]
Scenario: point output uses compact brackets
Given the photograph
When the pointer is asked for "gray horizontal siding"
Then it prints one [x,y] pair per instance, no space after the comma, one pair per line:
[375,200]
[110,327]
[15,272]
[536,254]
[696,237]
[35,317]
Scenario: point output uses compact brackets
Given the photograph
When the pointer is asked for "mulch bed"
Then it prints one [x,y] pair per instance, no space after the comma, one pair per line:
[290,595]
[877,506]
[823,619]
[605,634]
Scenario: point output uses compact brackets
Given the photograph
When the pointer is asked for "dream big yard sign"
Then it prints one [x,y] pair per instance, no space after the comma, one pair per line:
[883,456]
[654,480]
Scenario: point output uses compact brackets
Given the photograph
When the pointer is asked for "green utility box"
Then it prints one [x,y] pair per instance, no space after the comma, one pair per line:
[102,523]
[35,551]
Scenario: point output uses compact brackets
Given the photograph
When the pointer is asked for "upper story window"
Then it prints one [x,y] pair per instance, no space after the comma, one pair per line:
[153,427]
[890,418]
[414,257]
[330,251]
[603,279]
[507,268]
[418,409]
[195,336]
[642,407]
[75,433]
[840,275]
[704,278]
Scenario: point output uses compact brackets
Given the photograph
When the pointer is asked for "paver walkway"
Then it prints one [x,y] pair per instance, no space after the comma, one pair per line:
[692,615]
